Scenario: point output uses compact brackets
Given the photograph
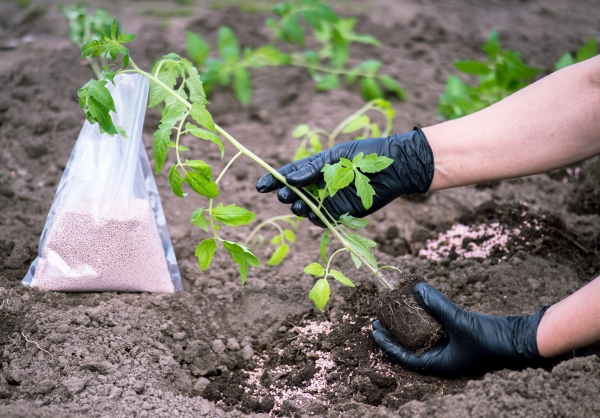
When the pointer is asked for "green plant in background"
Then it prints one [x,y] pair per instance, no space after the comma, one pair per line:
[326,65]
[85,26]
[502,74]
[311,140]
[175,82]
[587,51]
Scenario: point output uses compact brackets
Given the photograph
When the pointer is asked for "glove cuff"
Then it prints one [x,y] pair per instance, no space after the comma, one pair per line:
[413,161]
[525,337]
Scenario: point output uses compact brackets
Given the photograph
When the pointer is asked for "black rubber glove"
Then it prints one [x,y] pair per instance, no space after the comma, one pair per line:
[477,343]
[411,172]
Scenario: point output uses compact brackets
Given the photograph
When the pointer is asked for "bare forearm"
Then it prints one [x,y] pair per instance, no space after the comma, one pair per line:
[572,323]
[550,124]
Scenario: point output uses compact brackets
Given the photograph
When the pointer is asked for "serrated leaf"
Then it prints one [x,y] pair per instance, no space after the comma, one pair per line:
[343,177]
[241,86]
[353,223]
[276,239]
[320,293]
[201,115]
[157,94]
[356,124]
[328,82]
[201,167]
[204,134]
[205,252]
[232,215]
[123,38]
[175,181]
[227,44]
[201,184]
[289,235]
[199,219]
[323,245]
[364,190]
[197,48]
[92,49]
[98,90]
[369,89]
[372,163]
[363,246]
[242,256]
[194,86]
[300,130]
[314,269]
[339,276]
[173,114]
[162,137]
[278,255]
[472,67]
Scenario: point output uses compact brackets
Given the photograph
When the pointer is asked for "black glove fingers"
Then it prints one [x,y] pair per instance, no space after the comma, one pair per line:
[268,183]
[390,345]
[314,219]
[309,173]
[286,195]
[438,306]
[300,208]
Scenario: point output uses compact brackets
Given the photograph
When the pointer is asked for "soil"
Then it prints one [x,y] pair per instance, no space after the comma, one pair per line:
[400,313]
[226,350]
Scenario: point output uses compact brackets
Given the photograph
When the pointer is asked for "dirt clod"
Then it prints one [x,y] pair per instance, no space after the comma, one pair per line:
[400,313]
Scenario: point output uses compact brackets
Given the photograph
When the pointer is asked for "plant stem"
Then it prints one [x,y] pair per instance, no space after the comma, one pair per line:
[267,222]
[275,174]
[346,121]
[227,166]
[331,258]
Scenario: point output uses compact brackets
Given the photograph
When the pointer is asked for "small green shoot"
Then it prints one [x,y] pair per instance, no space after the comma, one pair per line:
[587,51]
[501,75]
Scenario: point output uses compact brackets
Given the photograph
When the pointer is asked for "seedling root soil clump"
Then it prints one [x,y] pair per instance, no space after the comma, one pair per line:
[400,313]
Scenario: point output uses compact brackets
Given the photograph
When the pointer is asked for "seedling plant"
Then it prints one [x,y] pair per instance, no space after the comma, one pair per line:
[327,64]
[502,74]
[175,83]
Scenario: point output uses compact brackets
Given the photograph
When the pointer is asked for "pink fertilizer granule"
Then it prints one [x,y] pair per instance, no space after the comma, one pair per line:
[488,237]
[116,249]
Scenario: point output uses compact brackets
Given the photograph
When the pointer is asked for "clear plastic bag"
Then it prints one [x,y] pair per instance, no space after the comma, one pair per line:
[106,230]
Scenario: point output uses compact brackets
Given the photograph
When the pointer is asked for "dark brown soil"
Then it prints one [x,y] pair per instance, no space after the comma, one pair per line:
[400,313]
[220,349]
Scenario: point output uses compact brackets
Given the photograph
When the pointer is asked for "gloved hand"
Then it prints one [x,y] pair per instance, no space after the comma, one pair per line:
[411,172]
[477,343]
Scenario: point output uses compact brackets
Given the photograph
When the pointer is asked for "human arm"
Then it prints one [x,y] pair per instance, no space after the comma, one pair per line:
[547,125]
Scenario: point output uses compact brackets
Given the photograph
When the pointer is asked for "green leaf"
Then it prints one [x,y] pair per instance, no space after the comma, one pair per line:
[113,29]
[197,48]
[201,167]
[289,235]
[232,215]
[364,190]
[205,252]
[98,90]
[279,254]
[328,82]
[339,276]
[242,256]
[369,89]
[92,49]
[372,163]
[199,219]
[173,114]
[564,61]
[204,134]
[315,143]
[339,49]
[314,269]
[201,184]
[352,222]
[472,67]
[227,44]
[343,177]
[194,85]
[162,137]
[276,239]
[323,245]
[291,31]
[300,130]
[392,85]
[492,46]
[587,51]
[320,293]
[201,115]
[175,181]
[356,124]
[363,246]
[123,38]
[241,86]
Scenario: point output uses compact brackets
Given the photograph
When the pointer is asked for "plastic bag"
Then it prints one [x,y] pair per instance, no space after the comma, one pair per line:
[106,230]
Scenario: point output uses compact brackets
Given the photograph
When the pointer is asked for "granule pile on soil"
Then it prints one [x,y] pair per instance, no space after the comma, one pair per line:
[87,250]
[400,313]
